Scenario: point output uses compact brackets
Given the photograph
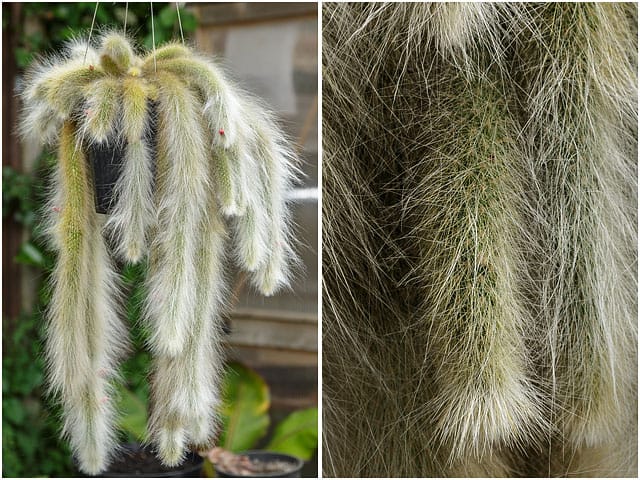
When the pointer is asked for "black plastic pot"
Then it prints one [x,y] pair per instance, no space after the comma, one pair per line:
[293,472]
[107,162]
[137,461]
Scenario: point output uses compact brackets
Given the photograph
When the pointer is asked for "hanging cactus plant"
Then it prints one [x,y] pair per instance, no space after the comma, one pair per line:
[213,154]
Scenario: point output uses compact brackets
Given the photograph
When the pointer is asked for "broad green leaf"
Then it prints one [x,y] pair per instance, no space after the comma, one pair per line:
[244,412]
[297,434]
[134,414]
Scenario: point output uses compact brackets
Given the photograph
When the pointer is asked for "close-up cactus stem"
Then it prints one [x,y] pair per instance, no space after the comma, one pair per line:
[200,158]
[479,239]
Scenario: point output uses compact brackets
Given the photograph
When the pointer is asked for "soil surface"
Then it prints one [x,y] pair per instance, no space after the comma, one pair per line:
[242,465]
[258,467]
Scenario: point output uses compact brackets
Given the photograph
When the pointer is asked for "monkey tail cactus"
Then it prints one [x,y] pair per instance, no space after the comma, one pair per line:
[218,159]
[581,98]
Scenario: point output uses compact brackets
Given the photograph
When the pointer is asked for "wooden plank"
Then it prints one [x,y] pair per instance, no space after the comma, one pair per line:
[274,334]
[278,316]
[261,356]
[224,14]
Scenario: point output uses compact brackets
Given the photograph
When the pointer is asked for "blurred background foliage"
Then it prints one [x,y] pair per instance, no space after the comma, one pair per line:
[58,22]
[30,421]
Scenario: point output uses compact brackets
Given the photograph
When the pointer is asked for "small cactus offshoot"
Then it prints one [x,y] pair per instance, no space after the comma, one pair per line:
[216,154]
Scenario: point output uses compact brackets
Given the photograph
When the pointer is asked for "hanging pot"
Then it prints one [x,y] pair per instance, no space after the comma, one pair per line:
[135,460]
[107,161]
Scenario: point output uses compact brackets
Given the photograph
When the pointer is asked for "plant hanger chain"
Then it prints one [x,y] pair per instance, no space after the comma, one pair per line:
[93,21]
[126,12]
[179,22]
[153,40]
[153,31]
[84,60]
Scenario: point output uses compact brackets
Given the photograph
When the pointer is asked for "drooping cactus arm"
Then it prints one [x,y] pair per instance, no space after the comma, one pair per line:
[67,313]
[277,171]
[53,90]
[61,87]
[103,105]
[579,97]
[186,397]
[180,200]
[224,179]
[208,334]
[168,51]
[167,428]
[116,51]
[134,211]
[243,194]
[474,320]
[108,343]
[80,351]
[252,224]
[223,106]
[41,122]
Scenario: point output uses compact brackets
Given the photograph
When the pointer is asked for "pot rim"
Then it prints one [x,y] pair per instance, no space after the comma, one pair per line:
[297,464]
[135,446]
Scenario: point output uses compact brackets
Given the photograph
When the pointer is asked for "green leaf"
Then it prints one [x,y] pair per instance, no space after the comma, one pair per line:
[23,57]
[147,41]
[244,413]
[28,445]
[27,379]
[29,254]
[297,434]
[13,410]
[189,21]
[208,469]
[167,16]
[134,414]
[161,37]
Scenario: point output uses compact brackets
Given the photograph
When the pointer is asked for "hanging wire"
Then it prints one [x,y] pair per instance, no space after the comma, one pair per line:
[80,141]
[180,22]
[153,40]
[93,21]
[126,11]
